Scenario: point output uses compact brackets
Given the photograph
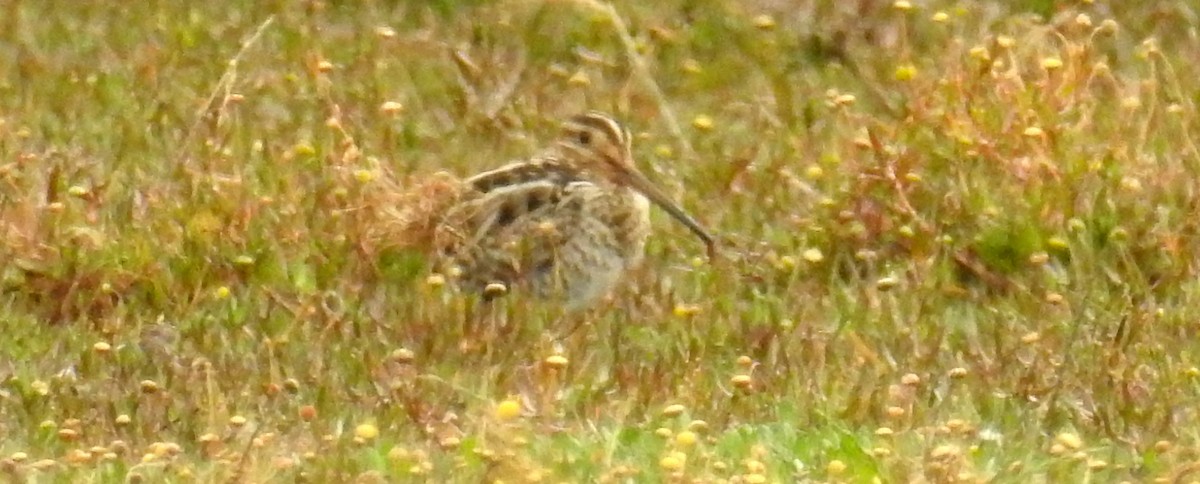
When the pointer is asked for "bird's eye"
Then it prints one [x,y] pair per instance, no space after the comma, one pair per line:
[585,137]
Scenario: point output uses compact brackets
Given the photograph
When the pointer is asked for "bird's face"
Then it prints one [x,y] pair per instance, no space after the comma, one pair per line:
[601,145]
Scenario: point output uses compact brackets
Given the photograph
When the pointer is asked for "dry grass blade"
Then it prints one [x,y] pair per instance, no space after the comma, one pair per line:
[639,66]
[408,212]
[218,100]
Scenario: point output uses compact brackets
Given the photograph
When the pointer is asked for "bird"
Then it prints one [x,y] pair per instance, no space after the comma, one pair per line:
[565,224]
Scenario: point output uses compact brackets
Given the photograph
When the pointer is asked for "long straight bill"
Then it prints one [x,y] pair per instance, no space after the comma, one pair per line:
[640,183]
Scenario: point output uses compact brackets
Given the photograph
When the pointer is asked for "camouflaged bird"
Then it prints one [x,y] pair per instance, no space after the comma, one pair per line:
[566,224]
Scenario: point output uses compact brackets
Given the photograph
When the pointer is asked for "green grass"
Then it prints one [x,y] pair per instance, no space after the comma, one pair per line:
[956,247]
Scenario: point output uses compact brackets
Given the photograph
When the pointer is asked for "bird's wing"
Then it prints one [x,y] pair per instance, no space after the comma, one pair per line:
[543,168]
[512,232]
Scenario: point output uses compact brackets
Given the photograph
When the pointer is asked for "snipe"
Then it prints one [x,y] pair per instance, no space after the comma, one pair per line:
[566,224]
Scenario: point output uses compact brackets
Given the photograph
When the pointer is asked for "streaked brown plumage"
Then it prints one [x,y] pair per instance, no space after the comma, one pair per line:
[565,224]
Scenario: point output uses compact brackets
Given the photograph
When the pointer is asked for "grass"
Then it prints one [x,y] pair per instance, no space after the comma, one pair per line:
[959,243]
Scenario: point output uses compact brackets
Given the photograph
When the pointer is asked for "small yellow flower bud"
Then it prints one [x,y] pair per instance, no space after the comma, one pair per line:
[508,409]
[366,432]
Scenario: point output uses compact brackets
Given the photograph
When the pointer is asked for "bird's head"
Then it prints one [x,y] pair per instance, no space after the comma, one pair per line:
[601,146]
